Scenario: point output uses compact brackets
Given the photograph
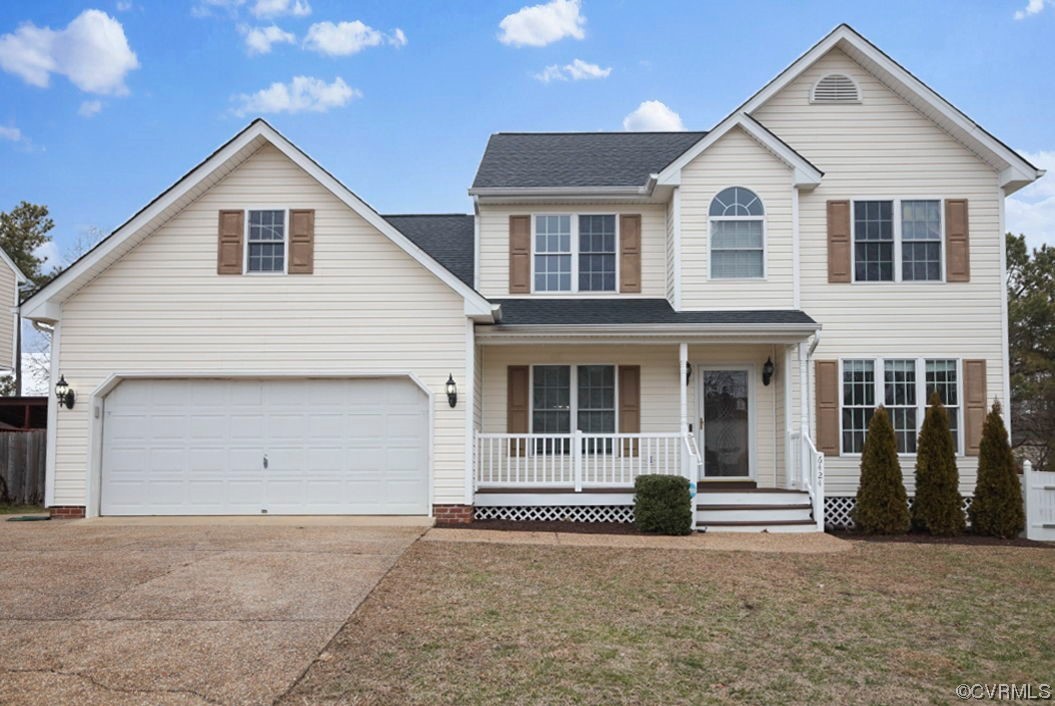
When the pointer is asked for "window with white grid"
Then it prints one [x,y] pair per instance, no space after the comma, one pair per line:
[873,241]
[596,253]
[737,234]
[266,242]
[858,396]
[941,377]
[921,240]
[899,396]
[552,253]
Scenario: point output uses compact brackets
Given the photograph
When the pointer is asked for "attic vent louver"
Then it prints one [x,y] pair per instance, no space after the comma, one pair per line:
[835,88]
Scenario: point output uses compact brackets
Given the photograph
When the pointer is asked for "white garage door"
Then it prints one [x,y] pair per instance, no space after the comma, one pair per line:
[241,447]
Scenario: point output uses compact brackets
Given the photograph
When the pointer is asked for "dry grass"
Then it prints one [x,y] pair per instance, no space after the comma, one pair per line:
[8,509]
[884,623]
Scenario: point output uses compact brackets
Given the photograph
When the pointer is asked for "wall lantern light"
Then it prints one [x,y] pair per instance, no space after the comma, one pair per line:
[63,393]
[688,372]
[767,371]
[452,390]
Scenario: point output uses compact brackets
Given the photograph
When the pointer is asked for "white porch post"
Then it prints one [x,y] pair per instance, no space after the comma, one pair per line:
[789,471]
[683,368]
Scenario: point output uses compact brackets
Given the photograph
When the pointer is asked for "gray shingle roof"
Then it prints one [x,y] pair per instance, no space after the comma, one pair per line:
[634,311]
[447,237]
[569,159]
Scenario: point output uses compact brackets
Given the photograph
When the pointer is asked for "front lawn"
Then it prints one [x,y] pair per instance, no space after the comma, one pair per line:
[883,623]
[7,509]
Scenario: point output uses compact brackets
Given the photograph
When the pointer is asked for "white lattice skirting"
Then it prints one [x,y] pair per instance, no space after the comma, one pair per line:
[838,511]
[563,513]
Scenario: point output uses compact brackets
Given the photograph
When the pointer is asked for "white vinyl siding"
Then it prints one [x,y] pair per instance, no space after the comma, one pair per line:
[735,160]
[494,244]
[9,321]
[162,307]
[886,149]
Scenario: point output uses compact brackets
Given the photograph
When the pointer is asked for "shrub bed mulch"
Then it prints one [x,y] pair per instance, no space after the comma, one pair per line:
[924,538]
[548,526]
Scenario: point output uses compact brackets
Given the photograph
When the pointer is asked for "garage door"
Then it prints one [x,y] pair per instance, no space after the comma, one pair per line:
[239,447]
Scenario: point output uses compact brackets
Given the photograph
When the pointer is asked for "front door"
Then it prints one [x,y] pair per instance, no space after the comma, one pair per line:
[725,421]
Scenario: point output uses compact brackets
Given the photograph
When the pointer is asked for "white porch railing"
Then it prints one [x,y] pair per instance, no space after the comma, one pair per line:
[1038,488]
[575,461]
[806,472]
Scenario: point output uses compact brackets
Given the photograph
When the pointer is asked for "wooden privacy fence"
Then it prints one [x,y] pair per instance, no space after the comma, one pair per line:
[22,455]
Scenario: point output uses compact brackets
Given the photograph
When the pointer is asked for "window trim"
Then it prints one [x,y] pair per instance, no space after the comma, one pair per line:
[898,264]
[573,393]
[575,253]
[921,395]
[285,240]
[710,237]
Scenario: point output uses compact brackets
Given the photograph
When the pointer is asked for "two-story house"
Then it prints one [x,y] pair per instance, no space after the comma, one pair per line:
[728,305]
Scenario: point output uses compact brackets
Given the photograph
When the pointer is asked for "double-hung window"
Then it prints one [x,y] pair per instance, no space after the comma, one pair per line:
[904,387]
[737,235]
[563,394]
[266,242]
[897,240]
[575,253]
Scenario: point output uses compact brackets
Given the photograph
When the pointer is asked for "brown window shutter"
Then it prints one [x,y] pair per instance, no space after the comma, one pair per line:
[975,398]
[520,254]
[630,253]
[517,396]
[839,245]
[301,242]
[630,406]
[957,244]
[827,379]
[229,249]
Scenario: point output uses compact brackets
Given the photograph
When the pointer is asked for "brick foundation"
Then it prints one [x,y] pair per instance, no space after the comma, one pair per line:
[66,512]
[452,514]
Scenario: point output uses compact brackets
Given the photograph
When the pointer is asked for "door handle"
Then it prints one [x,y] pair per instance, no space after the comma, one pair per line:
[265,462]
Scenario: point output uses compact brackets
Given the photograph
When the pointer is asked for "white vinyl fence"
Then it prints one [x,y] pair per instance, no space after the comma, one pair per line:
[1039,490]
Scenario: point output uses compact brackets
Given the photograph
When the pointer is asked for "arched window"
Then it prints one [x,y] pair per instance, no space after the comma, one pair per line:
[835,88]
[738,238]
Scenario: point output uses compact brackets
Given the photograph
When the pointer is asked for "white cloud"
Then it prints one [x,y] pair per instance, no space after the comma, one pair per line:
[577,70]
[92,52]
[204,8]
[89,108]
[10,133]
[124,5]
[1031,211]
[1032,8]
[277,8]
[302,94]
[652,116]
[346,38]
[258,40]
[539,25]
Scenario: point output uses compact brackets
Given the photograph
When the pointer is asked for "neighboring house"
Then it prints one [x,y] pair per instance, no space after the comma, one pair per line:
[11,280]
[729,305]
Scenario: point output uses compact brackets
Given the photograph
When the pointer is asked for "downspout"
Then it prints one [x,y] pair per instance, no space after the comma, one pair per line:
[805,355]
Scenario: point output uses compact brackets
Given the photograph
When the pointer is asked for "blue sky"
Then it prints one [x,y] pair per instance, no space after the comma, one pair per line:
[103,110]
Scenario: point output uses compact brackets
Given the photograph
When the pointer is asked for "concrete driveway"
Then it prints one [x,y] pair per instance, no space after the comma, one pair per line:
[179,611]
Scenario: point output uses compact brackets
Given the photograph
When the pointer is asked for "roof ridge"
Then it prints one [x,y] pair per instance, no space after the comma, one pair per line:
[601,132]
[425,215]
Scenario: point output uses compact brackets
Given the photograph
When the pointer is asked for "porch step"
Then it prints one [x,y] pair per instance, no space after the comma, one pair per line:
[762,514]
[758,496]
[751,526]
[728,484]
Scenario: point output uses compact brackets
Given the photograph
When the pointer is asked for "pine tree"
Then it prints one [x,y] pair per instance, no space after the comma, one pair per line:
[882,504]
[938,507]
[997,506]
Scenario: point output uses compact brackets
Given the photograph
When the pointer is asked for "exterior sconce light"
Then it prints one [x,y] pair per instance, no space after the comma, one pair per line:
[688,372]
[452,390]
[63,393]
[767,371]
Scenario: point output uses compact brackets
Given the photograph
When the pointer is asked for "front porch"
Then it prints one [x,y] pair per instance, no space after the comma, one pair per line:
[564,429]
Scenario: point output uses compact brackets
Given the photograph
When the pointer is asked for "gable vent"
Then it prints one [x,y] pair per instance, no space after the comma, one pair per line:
[835,88]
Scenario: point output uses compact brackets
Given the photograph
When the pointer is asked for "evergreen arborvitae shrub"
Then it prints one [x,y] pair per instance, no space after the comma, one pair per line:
[938,507]
[882,504]
[997,506]
[662,504]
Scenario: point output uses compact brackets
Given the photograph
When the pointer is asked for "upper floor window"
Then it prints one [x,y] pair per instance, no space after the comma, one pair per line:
[897,240]
[835,88]
[575,253]
[737,234]
[266,242]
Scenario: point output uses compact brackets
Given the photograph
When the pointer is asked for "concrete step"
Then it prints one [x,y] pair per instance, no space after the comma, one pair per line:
[706,514]
[752,497]
[751,526]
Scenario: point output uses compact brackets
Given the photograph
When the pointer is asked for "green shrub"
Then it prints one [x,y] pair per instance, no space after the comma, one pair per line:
[662,504]
[882,504]
[997,506]
[938,507]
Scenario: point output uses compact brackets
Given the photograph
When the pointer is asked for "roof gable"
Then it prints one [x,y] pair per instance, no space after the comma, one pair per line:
[45,303]
[1015,171]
